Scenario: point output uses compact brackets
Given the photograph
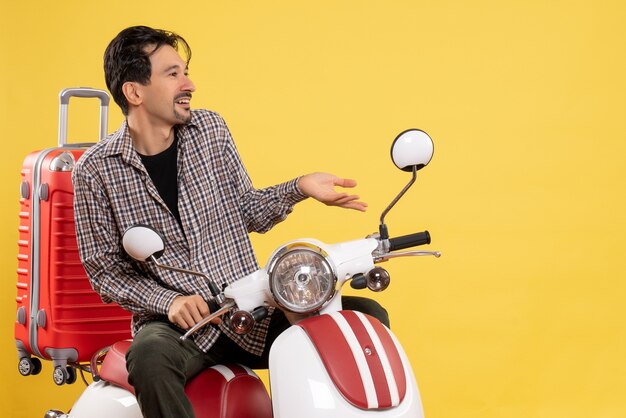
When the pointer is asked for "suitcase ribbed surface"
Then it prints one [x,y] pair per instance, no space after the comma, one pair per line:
[75,317]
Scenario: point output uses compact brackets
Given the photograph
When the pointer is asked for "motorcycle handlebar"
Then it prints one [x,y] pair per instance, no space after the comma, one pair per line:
[407,241]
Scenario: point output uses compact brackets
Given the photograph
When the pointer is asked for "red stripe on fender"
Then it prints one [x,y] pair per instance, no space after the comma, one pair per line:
[373,359]
[333,349]
[392,354]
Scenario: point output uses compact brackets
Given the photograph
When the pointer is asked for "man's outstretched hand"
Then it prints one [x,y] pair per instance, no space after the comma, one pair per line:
[321,187]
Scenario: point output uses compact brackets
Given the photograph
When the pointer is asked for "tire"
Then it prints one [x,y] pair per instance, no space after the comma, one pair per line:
[37,366]
[71,375]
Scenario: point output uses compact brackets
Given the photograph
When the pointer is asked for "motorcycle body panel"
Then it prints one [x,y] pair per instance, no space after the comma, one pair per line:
[301,386]
[104,400]
[221,391]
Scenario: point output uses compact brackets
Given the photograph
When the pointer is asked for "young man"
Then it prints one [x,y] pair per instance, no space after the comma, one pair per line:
[178,170]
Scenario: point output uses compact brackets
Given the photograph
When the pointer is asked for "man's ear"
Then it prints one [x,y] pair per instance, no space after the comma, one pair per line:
[133,93]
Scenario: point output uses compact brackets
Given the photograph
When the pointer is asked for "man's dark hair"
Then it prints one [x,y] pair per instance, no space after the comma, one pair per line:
[127,58]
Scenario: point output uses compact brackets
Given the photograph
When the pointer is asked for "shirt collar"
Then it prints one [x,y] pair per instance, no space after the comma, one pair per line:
[120,142]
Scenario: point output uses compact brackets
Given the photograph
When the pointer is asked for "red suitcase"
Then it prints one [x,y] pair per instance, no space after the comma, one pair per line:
[59,316]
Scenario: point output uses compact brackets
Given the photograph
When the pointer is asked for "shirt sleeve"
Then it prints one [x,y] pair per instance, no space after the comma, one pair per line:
[109,269]
[261,208]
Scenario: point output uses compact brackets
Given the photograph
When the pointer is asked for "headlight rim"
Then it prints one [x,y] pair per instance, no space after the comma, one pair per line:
[301,246]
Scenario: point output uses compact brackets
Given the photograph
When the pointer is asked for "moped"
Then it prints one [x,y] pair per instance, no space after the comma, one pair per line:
[329,363]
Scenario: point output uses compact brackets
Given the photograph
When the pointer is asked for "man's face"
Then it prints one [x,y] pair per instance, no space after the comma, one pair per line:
[167,96]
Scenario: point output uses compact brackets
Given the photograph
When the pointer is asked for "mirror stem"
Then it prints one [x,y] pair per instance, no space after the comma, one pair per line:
[177,269]
[384,234]
[214,289]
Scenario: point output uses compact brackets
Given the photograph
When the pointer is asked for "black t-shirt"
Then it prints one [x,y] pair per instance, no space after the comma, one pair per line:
[163,171]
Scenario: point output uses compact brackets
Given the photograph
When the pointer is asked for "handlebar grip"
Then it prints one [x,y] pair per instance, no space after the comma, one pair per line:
[407,241]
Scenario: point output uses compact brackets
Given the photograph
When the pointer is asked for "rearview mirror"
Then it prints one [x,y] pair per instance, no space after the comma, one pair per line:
[412,148]
[142,242]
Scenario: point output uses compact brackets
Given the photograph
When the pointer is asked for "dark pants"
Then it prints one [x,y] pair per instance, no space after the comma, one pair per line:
[159,365]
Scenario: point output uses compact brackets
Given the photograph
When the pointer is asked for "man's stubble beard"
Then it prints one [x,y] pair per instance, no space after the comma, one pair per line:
[183,119]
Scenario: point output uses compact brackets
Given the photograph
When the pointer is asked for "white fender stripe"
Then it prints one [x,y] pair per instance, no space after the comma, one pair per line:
[359,357]
[382,354]
[224,371]
[248,370]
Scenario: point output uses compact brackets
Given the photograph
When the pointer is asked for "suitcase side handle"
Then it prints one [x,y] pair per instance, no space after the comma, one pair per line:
[64,100]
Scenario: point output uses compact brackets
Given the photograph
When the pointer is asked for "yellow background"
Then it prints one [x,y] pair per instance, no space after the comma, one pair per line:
[524,315]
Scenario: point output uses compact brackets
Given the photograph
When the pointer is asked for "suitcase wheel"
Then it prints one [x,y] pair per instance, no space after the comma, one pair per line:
[29,365]
[63,375]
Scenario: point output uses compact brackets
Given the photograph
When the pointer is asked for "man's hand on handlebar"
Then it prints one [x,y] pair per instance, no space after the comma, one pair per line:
[186,311]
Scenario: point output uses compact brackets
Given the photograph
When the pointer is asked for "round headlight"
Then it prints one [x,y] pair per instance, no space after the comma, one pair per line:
[301,280]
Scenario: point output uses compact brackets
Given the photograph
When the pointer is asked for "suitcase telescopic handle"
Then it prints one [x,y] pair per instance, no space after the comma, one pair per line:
[64,100]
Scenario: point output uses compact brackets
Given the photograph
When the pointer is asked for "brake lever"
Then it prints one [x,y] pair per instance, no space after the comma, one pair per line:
[208,319]
[387,256]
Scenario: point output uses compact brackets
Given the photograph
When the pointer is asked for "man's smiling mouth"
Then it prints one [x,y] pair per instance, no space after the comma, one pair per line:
[183,99]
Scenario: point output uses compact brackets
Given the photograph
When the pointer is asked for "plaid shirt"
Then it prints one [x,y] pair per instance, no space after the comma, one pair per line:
[218,207]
